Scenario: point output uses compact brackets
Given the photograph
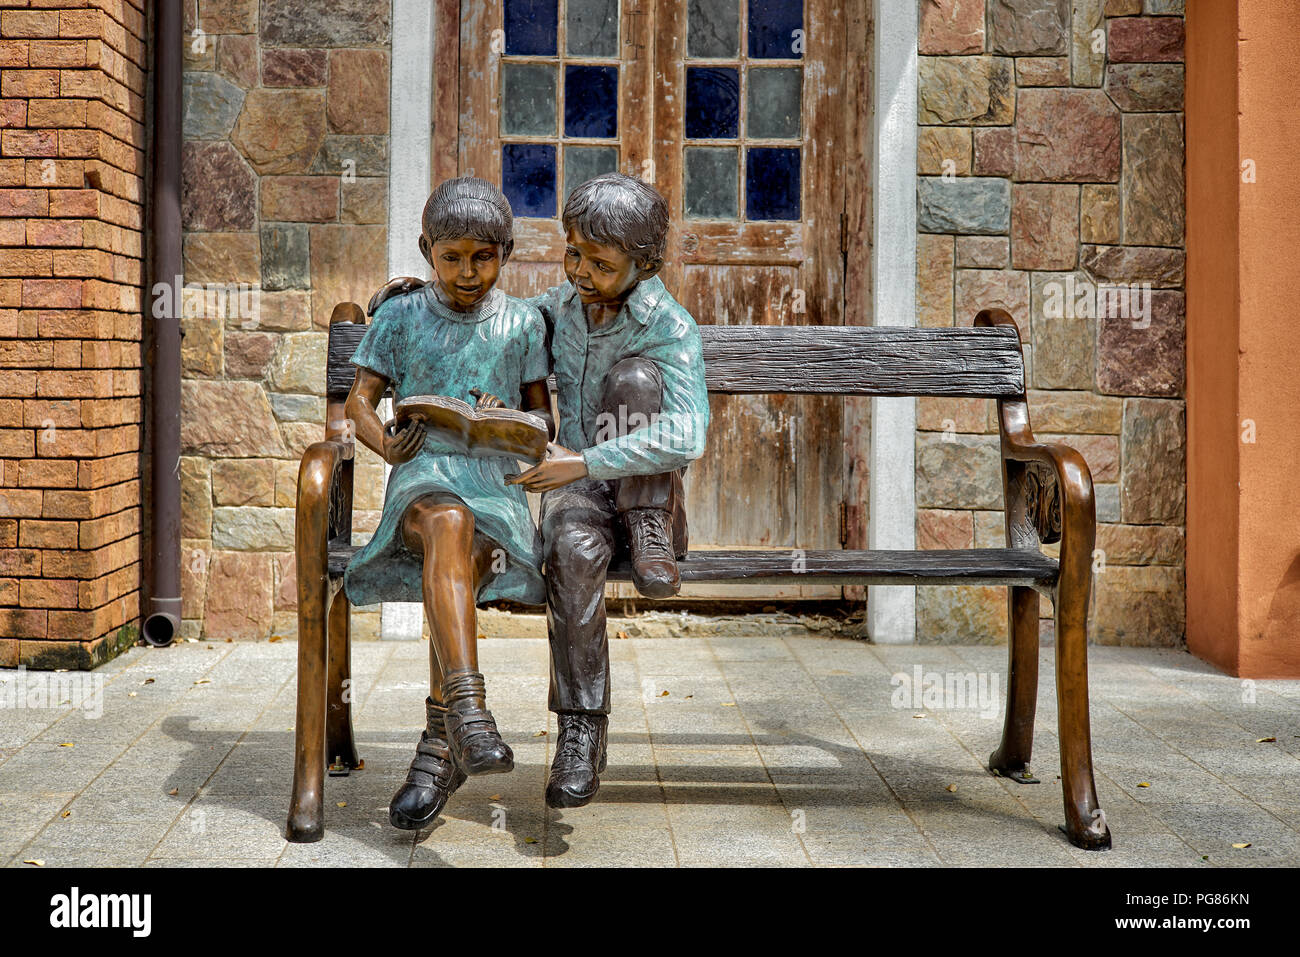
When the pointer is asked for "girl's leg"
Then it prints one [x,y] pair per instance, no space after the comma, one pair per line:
[441,528]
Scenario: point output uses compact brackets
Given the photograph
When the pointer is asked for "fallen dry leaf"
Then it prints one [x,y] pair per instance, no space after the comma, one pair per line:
[728,704]
[482,637]
[620,634]
[1144,784]
[530,840]
[1240,846]
[495,797]
[148,681]
[67,744]
[66,814]
[663,694]
[230,641]
[539,734]
[274,638]
[37,861]
[918,716]
[690,696]
[1265,740]
[952,787]
[343,804]
[174,791]
[132,694]
[203,681]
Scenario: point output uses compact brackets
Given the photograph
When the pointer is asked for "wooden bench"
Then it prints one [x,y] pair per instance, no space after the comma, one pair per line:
[1048,497]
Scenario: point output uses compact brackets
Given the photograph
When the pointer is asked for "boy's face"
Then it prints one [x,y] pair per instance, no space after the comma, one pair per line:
[601,274]
[466,268]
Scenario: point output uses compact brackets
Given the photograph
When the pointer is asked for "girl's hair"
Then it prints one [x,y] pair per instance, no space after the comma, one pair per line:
[620,211]
[469,206]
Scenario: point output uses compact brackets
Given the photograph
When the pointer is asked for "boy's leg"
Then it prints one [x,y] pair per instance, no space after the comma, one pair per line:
[652,508]
[577,532]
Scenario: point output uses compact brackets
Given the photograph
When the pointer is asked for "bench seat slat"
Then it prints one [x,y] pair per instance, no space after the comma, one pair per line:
[980,566]
[818,360]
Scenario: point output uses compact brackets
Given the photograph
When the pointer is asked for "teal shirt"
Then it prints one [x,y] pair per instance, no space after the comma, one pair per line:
[652,325]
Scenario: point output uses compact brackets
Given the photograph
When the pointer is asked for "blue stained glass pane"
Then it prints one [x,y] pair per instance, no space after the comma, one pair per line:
[712,103]
[591,101]
[772,183]
[528,178]
[531,27]
[772,26]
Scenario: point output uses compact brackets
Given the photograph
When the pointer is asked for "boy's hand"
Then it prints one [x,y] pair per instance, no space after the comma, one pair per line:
[402,445]
[486,400]
[560,468]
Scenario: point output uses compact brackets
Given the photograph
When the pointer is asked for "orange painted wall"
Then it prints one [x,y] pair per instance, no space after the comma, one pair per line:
[1243,522]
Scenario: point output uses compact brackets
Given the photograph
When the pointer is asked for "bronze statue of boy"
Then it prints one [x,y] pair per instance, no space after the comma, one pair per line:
[633,412]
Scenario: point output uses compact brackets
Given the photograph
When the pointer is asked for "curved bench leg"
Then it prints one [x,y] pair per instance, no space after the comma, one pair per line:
[306,811]
[1085,824]
[340,745]
[1011,759]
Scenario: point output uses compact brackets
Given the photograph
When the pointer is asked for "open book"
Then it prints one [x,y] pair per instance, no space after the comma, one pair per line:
[477,432]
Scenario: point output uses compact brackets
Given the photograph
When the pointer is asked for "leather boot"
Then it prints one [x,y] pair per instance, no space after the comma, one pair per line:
[433,777]
[580,754]
[649,536]
[472,733]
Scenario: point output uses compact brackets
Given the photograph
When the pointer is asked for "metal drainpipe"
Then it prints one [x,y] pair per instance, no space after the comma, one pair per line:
[164,620]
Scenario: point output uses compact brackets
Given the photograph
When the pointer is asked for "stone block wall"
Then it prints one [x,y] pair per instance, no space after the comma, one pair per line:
[72,141]
[285,168]
[1050,155]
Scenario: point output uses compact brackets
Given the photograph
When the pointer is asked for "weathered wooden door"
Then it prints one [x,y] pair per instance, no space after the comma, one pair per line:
[548,93]
[747,115]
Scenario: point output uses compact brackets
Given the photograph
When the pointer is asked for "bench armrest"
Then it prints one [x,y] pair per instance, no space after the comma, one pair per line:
[1047,486]
[324,506]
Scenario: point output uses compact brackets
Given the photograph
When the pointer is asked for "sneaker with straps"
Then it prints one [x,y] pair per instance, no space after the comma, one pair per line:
[580,755]
[654,568]
[472,734]
[433,776]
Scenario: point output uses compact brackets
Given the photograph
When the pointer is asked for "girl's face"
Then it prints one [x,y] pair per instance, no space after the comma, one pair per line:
[466,268]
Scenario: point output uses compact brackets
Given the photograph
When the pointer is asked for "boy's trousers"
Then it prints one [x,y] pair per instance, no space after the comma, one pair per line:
[582,530]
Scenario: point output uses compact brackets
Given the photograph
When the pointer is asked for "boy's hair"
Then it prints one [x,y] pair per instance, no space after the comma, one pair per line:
[469,206]
[620,211]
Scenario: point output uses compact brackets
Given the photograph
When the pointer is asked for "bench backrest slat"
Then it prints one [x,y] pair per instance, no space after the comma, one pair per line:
[819,360]
[863,360]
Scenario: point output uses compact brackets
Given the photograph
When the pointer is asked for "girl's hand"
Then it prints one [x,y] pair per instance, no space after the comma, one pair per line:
[401,446]
[560,467]
[486,400]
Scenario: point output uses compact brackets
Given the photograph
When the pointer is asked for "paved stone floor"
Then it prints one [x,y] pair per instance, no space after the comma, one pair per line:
[732,751]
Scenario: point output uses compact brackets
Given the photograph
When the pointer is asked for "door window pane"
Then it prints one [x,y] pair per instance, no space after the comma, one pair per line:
[581,163]
[713,28]
[527,99]
[772,183]
[772,26]
[712,103]
[774,96]
[531,27]
[528,178]
[711,181]
[591,28]
[591,101]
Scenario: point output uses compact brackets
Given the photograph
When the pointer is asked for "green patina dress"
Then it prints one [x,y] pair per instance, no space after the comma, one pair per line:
[423,347]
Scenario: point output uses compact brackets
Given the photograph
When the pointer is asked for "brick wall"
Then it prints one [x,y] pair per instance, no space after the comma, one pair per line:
[72,144]
[1051,158]
[285,171]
